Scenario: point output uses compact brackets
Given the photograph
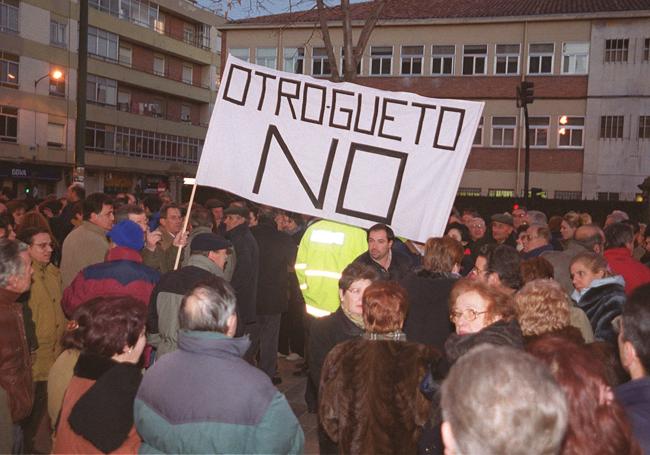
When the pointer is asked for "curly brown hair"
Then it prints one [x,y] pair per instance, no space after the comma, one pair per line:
[542,306]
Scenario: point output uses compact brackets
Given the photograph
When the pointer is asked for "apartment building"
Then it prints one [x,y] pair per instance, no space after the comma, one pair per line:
[151,85]
[588,61]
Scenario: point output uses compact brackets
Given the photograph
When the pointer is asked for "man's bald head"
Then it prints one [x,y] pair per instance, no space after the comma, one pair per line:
[591,237]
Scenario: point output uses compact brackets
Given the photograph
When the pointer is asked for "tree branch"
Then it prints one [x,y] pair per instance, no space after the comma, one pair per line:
[368,27]
[349,67]
[327,39]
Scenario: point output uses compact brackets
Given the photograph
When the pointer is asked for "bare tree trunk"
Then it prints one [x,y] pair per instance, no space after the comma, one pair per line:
[368,27]
[349,67]
[327,40]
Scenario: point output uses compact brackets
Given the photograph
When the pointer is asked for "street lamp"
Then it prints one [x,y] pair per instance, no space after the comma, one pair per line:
[54,74]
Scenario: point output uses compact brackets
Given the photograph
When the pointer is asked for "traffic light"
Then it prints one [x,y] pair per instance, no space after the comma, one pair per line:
[525,93]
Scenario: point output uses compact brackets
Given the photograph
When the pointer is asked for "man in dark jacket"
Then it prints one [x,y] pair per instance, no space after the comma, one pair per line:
[390,264]
[277,252]
[244,277]
[634,350]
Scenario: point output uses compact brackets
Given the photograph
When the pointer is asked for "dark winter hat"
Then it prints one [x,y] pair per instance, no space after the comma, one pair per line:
[504,218]
[128,234]
[241,211]
[209,242]
[213,204]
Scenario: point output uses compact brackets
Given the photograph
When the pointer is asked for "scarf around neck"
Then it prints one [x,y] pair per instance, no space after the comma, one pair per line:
[357,319]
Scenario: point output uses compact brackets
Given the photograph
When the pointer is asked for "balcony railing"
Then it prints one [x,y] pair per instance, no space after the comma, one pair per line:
[8,18]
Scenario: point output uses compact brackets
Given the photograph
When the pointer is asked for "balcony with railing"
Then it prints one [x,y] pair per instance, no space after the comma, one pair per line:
[9,17]
[147,14]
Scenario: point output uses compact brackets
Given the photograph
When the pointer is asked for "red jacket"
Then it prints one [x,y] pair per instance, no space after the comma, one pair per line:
[15,362]
[122,274]
[622,263]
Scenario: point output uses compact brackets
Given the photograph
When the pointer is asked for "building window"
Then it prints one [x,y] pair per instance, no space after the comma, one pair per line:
[100,137]
[506,60]
[474,59]
[126,55]
[8,124]
[570,131]
[186,113]
[499,192]
[188,73]
[102,43]
[442,59]
[478,137]
[124,101]
[412,59]
[503,131]
[189,34]
[616,50]
[266,56]
[568,195]
[204,38]
[294,60]
[381,58]
[159,24]
[611,127]
[57,87]
[540,58]
[8,70]
[101,90]
[55,134]
[646,50]
[644,127]
[320,64]
[343,62]
[159,65]
[468,192]
[605,196]
[57,33]
[539,127]
[9,16]
[575,58]
[240,53]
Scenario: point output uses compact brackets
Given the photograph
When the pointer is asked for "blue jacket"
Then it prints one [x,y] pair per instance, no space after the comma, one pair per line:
[204,398]
[634,396]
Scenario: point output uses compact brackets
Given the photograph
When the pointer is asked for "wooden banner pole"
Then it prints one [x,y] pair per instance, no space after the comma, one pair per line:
[185,221]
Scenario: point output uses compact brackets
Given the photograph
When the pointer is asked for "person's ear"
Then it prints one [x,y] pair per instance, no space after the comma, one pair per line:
[341,292]
[232,325]
[448,439]
[629,354]
[493,279]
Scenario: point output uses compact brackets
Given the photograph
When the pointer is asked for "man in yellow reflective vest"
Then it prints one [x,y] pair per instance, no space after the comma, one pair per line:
[326,248]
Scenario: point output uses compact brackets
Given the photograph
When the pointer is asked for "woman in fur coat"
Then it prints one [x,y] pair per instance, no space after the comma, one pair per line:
[370,400]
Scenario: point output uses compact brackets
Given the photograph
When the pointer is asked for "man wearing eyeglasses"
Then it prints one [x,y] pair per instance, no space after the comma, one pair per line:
[536,241]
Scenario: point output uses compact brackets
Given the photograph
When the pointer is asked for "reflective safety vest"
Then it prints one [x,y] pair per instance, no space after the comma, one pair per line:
[326,248]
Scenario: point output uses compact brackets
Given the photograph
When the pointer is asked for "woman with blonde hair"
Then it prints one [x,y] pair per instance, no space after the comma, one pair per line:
[570,222]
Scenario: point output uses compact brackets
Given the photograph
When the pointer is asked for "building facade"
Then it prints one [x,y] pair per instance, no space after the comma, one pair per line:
[482,51]
[151,84]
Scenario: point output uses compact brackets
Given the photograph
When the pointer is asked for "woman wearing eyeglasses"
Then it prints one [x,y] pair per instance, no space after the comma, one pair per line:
[44,303]
[480,314]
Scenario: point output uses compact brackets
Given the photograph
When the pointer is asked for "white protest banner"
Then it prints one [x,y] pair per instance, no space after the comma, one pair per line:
[339,151]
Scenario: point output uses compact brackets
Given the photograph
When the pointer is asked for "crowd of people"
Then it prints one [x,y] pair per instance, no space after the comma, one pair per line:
[133,325]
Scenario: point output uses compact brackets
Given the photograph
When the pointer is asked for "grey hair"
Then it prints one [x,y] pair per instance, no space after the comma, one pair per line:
[537,217]
[208,306]
[517,408]
[11,263]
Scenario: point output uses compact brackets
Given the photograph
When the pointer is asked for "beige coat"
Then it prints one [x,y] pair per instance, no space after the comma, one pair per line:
[85,245]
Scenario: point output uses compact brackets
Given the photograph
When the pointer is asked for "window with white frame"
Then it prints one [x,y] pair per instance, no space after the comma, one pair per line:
[442,59]
[9,16]
[242,53]
[539,127]
[8,124]
[159,24]
[646,50]
[100,137]
[266,56]
[540,58]
[616,50]
[294,59]
[101,90]
[9,64]
[568,195]
[126,55]
[320,64]
[381,59]
[611,126]
[644,127]
[186,113]
[478,137]
[188,74]
[55,134]
[575,58]
[503,131]
[102,43]
[506,59]
[474,57]
[412,59]
[501,192]
[342,69]
[124,100]
[189,33]
[158,64]
[57,32]
[468,192]
[571,132]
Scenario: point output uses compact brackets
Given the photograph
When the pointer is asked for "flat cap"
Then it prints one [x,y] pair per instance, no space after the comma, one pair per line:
[209,242]
[504,218]
[241,211]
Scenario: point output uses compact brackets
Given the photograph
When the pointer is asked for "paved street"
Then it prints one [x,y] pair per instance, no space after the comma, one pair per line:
[294,389]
